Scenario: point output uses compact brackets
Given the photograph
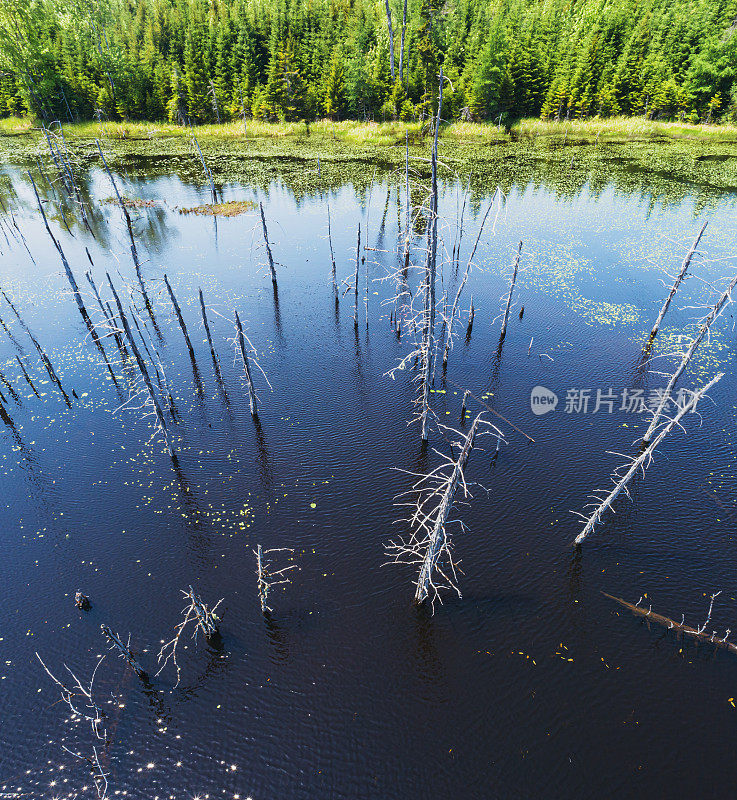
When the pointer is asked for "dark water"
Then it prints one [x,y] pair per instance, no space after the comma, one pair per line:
[532,684]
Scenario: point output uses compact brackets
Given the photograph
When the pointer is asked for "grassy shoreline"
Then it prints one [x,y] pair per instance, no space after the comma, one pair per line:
[611,129]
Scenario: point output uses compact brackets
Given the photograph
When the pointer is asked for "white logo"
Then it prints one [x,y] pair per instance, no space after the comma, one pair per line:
[542,400]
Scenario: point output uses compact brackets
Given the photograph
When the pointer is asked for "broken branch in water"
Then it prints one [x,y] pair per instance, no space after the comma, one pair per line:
[204,619]
[267,576]
[124,650]
[700,634]
[80,698]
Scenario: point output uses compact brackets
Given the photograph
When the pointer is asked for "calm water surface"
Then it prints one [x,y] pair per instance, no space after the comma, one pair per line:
[532,684]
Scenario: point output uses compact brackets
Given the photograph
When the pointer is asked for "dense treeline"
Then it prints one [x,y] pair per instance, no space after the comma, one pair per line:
[208,60]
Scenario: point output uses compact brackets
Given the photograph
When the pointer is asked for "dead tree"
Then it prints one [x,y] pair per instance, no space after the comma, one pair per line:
[123,650]
[641,462]
[423,320]
[391,38]
[431,500]
[463,405]
[401,45]
[430,275]
[267,576]
[449,336]
[215,359]
[333,271]
[67,269]
[129,226]
[158,411]
[355,278]
[511,289]
[246,366]
[208,174]
[700,634]
[268,246]
[45,360]
[703,331]
[180,318]
[202,619]
[676,284]
[79,698]
[27,377]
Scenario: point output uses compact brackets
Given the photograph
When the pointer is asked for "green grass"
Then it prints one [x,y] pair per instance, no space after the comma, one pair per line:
[625,128]
[393,133]
[12,126]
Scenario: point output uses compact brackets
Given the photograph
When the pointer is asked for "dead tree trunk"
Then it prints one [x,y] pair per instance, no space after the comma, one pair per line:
[642,461]
[355,278]
[126,215]
[391,38]
[208,174]
[438,536]
[42,353]
[124,651]
[266,576]
[182,324]
[700,634]
[215,359]
[511,289]
[674,288]
[408,206]
[142,368]
[242,345]
[401,45]
[430,273]
[449,338]
[268,246]
[665,398]
[67,268]
[463,405]
[333,271]
[26,376]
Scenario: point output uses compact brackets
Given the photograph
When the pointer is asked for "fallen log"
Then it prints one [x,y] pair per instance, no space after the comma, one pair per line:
[700,634]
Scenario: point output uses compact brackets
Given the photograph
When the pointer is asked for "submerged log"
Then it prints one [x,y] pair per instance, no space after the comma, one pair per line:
[700,634]
[124,651]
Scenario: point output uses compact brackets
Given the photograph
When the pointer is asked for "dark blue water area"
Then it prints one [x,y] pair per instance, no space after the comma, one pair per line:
[532,683]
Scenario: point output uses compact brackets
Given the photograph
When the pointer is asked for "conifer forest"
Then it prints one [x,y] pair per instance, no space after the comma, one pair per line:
[199,61]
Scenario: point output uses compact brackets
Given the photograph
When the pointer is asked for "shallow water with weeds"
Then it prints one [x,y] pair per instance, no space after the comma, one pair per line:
[532,683]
